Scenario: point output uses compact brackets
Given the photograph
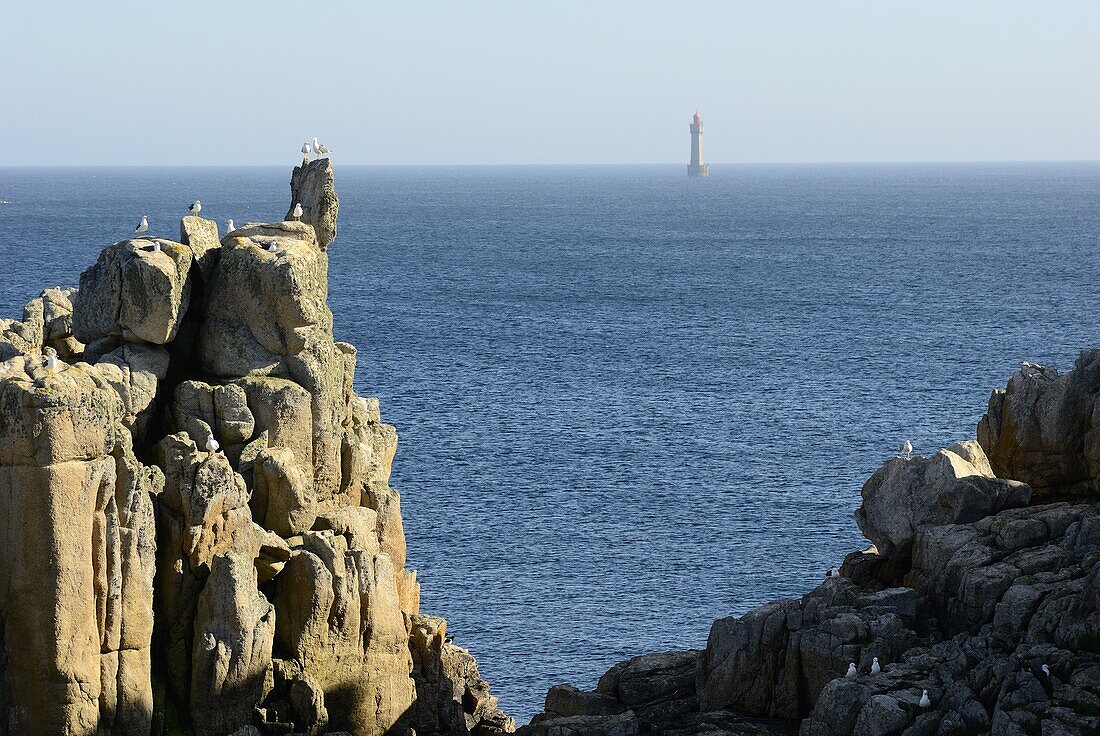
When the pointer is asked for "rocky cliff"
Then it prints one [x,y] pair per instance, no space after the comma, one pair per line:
[976,609]
[197,533]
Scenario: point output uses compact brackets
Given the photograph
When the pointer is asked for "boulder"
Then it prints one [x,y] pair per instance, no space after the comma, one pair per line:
[954,485]
[133,293]
[47,323]
[282,498]
[1044,429]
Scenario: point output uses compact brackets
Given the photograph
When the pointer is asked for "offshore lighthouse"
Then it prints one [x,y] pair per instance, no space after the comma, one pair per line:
[697,167]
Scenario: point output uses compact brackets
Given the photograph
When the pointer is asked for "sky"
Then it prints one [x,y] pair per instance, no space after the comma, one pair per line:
[558,82]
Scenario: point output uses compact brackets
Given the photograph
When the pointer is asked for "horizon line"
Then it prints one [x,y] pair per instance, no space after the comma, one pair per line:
[565,164]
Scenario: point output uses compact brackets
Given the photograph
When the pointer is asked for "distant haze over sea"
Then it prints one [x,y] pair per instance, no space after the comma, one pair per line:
[631,402]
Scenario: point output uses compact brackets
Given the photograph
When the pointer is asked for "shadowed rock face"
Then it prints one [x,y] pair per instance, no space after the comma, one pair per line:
[1044,429]
[244,569]
[967,593]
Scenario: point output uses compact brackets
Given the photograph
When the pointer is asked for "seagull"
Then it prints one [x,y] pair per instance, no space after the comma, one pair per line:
[321,148]
[297,211]
[212,445]
[229,227]
[906,449]
[875,669]
[925,702]
[195,207]
[316,145]
[143,226]
[271,246]
[1046,670]
[851,670]
[51,361]
[833,573]
[306,149]
[156,246]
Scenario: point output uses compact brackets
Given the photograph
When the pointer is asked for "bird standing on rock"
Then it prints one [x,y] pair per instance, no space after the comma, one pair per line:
[852,672]
[143,226]
[212,445]
[195,207]
[322,149]
[51,360]
[306,149]
[875,669]
[1046,670]
[925,701]
[156,246]
[833,573]
[906,449]
[297,211]
[229,227]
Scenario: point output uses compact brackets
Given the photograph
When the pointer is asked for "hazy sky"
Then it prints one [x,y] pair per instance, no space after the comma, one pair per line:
[240,82]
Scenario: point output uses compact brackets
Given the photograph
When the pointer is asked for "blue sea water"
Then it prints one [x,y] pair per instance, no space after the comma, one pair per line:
[632,402]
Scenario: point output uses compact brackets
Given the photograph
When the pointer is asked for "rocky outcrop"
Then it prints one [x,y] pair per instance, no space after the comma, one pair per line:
[976,610]
[311,186]
[1044,429]
[78,555]
[197,533]
[954,485]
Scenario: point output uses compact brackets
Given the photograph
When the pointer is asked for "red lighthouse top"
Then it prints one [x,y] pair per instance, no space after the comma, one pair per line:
[696,119]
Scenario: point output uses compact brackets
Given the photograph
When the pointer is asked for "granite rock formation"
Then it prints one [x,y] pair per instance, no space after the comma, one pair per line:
[197,532]
[981,590]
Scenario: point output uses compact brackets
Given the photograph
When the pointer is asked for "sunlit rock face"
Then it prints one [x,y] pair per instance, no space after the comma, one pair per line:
[197,533]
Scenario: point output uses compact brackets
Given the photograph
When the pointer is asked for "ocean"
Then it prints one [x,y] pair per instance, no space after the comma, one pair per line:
[630,402]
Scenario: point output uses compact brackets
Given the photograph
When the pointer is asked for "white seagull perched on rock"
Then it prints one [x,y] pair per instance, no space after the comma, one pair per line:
[322,149]
[156,246]
[852,672]
[51,360]
[297,211]
[143,226]
[1046,670]
[906,449]
[271,246]
[306,150]
[925,701]
[212,445]
[875,669]
[195,207]
[833,573]
[229,227]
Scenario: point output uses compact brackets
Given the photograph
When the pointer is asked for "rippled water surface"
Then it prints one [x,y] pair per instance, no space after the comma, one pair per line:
[631,402]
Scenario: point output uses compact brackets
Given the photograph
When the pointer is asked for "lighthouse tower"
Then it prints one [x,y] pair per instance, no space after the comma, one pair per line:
[697,167]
